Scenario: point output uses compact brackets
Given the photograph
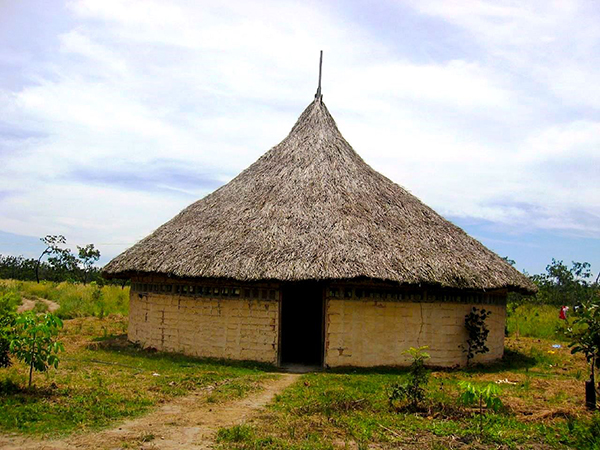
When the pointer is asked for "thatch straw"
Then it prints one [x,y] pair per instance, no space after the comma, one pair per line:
[312,209]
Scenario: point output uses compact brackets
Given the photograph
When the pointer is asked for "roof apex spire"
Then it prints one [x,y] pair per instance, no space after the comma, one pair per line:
[318,95]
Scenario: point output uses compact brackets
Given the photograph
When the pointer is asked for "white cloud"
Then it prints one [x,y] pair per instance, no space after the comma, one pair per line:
[213,86]
[549,42]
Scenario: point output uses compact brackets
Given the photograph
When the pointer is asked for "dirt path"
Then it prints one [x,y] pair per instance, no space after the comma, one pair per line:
[27,304]
[186,423]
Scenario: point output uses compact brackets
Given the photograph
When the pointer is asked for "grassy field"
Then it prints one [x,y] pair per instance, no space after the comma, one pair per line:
[97,384]
[537,321]
[75,300]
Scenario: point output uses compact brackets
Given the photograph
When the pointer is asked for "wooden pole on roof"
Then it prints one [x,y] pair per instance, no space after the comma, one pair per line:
[318,95]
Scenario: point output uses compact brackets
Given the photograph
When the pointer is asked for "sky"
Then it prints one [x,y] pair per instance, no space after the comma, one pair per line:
[115,115]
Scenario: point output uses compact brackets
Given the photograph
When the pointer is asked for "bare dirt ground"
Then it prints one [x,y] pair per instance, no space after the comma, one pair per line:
[27,304]
[185,423]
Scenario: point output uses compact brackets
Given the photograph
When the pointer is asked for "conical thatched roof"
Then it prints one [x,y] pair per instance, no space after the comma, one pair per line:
[312,209]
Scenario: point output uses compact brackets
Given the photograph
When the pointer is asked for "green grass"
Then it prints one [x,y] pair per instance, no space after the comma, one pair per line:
[237,433]
[350,408]
[537,321]
[96,385]
[75,300]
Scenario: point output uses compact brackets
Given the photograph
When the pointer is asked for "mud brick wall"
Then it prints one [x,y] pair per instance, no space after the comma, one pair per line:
[371,333]
[234,328]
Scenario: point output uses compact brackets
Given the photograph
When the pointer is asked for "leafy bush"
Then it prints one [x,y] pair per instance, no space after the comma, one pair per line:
[8,311]
[480,395]
[415,389]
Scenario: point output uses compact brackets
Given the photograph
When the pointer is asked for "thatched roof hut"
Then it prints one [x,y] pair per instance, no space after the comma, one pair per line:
[311,210]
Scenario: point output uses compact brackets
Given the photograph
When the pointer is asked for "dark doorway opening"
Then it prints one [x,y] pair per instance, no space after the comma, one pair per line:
[302,324]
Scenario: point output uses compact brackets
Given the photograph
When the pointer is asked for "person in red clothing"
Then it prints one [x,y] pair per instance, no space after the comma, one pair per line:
[563,312]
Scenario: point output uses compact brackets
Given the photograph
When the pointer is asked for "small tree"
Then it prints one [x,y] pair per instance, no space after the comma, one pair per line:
[64,264]
[52,243]
[584,334]
[98,300]
[477,332]
[35,341]
[88,256]
[415,389]
[480,395]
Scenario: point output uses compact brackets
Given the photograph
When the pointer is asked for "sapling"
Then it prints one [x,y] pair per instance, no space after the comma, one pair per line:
[480,395]
[35,341]
[98,300]
[415,389]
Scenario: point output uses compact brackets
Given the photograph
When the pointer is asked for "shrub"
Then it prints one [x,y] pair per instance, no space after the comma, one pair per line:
[98,300]
[8,312]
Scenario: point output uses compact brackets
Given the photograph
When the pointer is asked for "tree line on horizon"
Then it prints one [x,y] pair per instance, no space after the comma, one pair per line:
[561,285]
[56,263]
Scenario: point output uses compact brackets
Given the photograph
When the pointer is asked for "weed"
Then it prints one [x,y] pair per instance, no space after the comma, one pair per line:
[237,433]
[9,386]
[586,435]
[8,314]
[147,437]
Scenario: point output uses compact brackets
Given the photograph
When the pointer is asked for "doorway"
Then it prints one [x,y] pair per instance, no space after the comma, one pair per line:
[302,324]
